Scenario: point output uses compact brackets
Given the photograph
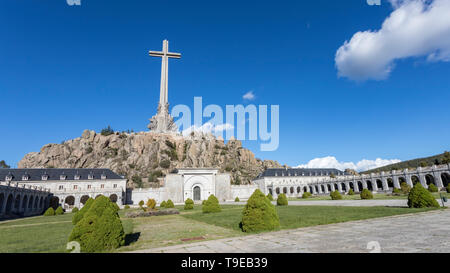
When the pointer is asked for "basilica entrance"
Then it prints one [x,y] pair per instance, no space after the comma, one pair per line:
[197,193]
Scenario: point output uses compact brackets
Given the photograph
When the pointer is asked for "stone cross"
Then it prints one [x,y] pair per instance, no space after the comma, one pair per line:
[165,55]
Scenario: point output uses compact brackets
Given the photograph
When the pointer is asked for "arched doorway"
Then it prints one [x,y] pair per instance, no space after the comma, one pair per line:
[70,201]
[369,185]
[379,184]
[445,179]
[54,202]
[113,198]
[430,179]
[2,198]
[329,187]
[401,180]
[84,199]
[285,190]
[299,189]
[36,203]
[292,190]
[390,182]
[352,186]
[322,187]
[9,204]
[336,188]
[360,186]
[30,203]
[344,187]
[270,192]
[415,179]
[277,190]
[17,203]
[197,193]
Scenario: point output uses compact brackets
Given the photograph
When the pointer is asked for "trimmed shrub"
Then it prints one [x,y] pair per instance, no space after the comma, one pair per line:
[75,210]
[432,188]
[141,203]
[419,197]
[270,197]
[335,195]
[126,207]
[236,199]
[211,205]
[49,212]
[259,214]
[405,188]
[151,204]
[366,194]
[188,204]
[100,228]
[59,211]
[79,215]
[396,191]
[203,202]
[170,204]
[282,200]
[306,195]
[351,192]
[163,204]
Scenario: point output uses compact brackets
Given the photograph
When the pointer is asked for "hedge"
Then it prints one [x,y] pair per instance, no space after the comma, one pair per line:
[151,204]
[75,210]
[351,192]
[163,204]
[259,214]
[306,195]
[211,205]
[419,197]
[282,200]
[236,199]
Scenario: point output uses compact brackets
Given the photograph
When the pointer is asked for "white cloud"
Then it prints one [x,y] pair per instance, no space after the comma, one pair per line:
[208,128]
[363,165]
[249,95]
[416,28]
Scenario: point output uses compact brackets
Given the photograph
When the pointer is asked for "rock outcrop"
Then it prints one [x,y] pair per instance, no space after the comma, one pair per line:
[148,156]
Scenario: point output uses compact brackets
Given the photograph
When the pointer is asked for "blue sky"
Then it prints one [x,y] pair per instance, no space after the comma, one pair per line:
[66,68]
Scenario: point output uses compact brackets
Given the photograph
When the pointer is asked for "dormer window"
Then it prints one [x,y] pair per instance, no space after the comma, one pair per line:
[76,177]
[25,177]
[103,176]
[91,176]
[62,177]
[9,177]
[45,177]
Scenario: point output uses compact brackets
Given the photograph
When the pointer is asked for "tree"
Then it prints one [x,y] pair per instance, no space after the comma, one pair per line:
[405,188]
[107,131]
[282,200]
[432,188]
[79,215]
[419,197]
[446,158]
[236,199]
[351,192]
[100,229]
[259,214]
[211,205]
[163,204]
[270,197]
[3,165]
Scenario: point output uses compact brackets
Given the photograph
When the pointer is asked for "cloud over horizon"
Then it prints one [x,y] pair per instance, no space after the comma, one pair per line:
[416,28]
[208,127]
[360,166]
[249,95]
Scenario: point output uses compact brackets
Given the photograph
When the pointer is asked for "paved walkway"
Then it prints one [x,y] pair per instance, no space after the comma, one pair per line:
[422,232]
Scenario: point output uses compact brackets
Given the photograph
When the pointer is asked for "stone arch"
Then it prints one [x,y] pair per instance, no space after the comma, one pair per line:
[316,188]
[24,202]
[343,187]
[84,199]
[113,197]
[369,185]
[17,203]
[2,199]
[299,189]
[322,187]
[352,186]
[430,179]
[390,182]
[379,184]
[36,203]
[284,190]
[401,180]
[196,193]
[277,190]
[336,188]
[43,202]
[311,189]
[445,179]
[360,186]
[54,202]
[270,192]
[292,190]
[9,204]
[329,187]
[30,203]
[415,179]
[70,201]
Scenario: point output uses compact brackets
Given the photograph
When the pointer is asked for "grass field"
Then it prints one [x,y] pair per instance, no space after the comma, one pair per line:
[49,234]
[378,196]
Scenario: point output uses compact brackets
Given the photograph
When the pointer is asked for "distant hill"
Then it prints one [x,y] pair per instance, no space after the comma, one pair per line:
[443,158]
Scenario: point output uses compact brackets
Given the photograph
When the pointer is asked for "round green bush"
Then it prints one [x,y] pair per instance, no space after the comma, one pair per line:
[141,203]
[396,191]
[203,202]
[169,204]
[49,212]
[79,215]
[282,200]
[75,210]
[366,194]
[335,195]
[163,204]
[270,197]
[189,204]
[59,211]
[306,195]
[432,188]
[419,197]
[211,205]
[405,188]
[259,214]
[100,228]
[236,199]
[351,192]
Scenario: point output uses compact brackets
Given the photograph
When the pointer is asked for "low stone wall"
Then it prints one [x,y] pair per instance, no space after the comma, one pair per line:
[136,195]
[242,191]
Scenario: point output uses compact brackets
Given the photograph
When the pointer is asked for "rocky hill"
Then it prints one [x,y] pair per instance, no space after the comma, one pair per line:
[145,157]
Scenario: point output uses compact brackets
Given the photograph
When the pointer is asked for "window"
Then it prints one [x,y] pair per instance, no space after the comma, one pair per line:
[76,177]
[45,177]
[88,186]
[62,177]
[102,186]
[115,186]
[75,187]
[25,177]
[90,176]
[9,177]
[103,176]
[61,187]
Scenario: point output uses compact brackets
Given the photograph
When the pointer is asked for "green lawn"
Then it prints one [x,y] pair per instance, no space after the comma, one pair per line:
[378,196]
[49,234]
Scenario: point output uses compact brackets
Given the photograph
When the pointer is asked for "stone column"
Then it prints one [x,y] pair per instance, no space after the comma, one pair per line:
[332,187]
[385,184]
[339,187]
[374,184]
[423,181]
[396,182]
[409,180]
[364,184]
[438,180]
[347,185]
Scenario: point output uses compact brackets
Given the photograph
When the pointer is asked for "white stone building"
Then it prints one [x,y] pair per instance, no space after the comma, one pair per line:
[71,187]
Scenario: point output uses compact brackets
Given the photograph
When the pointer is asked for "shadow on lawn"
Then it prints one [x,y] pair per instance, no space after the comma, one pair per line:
[131,238]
